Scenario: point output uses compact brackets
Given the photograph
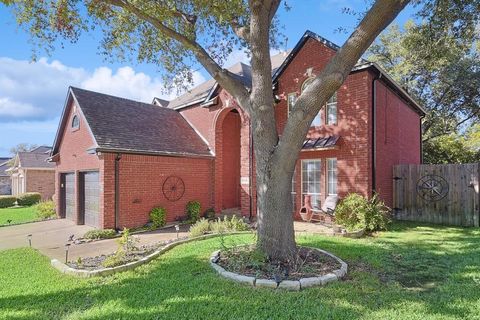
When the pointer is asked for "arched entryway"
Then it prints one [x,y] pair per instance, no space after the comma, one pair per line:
[230,158]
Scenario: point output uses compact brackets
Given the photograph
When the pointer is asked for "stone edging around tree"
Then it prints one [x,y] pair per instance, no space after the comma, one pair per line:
[81,273]
[294,285]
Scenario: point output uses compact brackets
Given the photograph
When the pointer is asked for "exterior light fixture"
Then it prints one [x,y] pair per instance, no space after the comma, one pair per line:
[177,228]
[67,246]
[29,238]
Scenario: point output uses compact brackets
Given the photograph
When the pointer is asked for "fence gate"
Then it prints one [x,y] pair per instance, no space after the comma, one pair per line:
[436,193]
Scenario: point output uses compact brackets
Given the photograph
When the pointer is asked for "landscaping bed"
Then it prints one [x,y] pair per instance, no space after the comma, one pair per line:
[246,260]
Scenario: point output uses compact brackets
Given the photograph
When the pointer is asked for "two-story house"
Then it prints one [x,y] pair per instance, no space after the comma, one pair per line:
[116,159]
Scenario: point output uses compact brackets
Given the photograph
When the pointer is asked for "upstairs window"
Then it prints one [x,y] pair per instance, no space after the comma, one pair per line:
[331,109]
[75,122]
[317,121]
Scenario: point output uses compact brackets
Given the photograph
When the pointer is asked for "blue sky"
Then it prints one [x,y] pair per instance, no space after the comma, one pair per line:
[32,94]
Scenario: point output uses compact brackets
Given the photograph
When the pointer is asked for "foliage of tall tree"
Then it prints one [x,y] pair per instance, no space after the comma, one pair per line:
[442,71]
[175,34]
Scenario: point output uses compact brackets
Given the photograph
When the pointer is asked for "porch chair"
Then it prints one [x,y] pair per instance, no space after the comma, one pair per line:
[325,214]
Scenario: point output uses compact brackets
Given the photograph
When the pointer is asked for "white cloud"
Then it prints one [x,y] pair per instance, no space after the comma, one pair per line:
[17,109]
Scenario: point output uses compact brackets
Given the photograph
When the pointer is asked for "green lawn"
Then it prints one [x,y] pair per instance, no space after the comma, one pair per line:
[407,273]
[17,215]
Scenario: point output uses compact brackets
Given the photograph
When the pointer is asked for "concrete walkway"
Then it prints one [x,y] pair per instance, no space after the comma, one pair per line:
[50,237]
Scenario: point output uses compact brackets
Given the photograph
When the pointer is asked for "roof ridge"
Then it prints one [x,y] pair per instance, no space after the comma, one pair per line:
[146,104]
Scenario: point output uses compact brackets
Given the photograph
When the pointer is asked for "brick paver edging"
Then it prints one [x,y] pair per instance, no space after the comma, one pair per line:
[294,285]
[63,268]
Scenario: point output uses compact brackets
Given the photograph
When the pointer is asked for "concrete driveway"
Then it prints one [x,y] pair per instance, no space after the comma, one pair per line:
[49,236]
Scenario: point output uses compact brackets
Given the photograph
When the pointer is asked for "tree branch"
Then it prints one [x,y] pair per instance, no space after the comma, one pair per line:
[382,13]
[222,76]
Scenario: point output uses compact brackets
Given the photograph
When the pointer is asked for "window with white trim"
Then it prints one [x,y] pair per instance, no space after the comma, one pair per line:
[75,122]
[332,176]
[331,109]
[317,121]
[311,181]
[291,99]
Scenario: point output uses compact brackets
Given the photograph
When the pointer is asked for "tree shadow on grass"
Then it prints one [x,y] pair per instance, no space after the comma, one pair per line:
[182,285]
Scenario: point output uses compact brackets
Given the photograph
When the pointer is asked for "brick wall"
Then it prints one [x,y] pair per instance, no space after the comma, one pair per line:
[353,122]
[398,138]
[74,157]
[141,178]
[41,181]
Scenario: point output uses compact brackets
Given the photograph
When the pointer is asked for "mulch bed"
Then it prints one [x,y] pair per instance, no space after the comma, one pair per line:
[134,254]
[246,260]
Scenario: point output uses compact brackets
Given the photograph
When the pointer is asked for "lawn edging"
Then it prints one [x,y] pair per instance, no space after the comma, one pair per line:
[81,273]
[292,285]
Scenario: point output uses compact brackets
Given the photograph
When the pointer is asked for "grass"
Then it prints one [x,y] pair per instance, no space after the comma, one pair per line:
[17,215]
[410,272]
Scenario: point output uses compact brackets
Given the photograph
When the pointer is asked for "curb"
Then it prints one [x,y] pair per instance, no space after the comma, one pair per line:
[80,273]
[292,285]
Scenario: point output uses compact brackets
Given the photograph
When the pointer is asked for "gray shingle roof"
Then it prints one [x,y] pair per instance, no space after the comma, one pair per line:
[34,160]
[240,70]
[119,124]
[4,166]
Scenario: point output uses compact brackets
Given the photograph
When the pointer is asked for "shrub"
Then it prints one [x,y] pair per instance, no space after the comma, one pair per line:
[192,210]
[7,201]
[114,260]
[100,234]
[357,212]
[201,227]
[158,217]
[29,199]
[45,209]
[209,214]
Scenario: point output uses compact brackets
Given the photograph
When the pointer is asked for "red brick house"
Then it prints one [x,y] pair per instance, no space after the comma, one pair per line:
[117,158]
[31,172]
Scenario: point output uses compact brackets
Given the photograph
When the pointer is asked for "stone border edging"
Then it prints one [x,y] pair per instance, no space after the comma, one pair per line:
[81,273]
[294,285]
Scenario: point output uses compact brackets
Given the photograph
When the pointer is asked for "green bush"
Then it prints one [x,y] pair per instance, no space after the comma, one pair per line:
[29,199]
[158,217]
[7,201]
[192,210]
[100,234]
[45,209]
[114,260]
[356,212]
[229,224]
[209,214]
[203,226]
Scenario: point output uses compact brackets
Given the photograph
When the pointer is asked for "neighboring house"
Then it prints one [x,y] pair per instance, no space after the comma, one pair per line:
[116,159]
[31,172]
[5,181]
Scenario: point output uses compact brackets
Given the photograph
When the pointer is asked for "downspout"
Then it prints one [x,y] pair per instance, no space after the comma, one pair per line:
[421,139]
[374,131]
[250,159]
[117,191]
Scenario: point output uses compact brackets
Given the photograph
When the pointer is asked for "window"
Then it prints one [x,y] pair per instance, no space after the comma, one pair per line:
[317,121]
[291,99]
[75,122]
[311,178]
[331,108]
[332,176]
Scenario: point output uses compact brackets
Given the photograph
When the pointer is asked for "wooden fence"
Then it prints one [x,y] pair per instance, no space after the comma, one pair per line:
[443,194]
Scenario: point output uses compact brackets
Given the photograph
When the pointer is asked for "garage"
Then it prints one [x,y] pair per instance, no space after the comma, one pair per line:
[90,207]
[68,188]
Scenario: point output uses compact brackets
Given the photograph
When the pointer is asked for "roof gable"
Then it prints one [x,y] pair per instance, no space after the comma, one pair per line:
[123,125]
